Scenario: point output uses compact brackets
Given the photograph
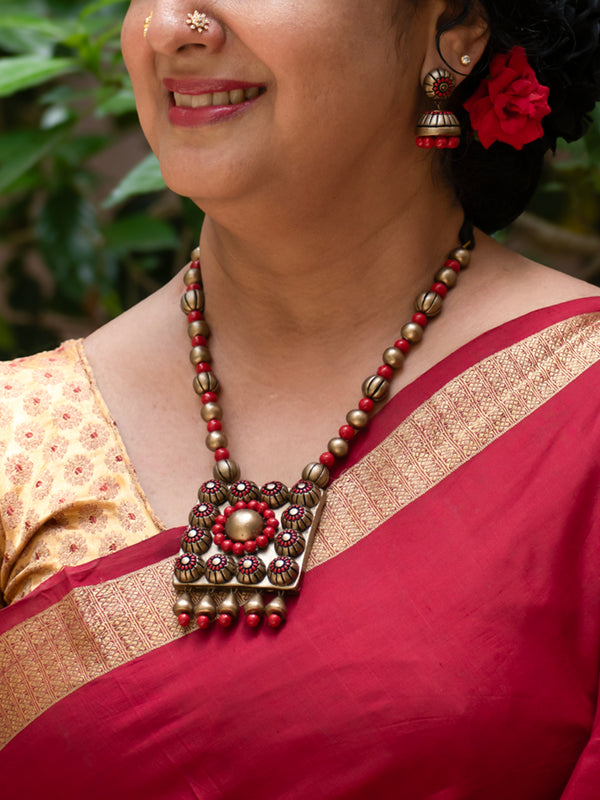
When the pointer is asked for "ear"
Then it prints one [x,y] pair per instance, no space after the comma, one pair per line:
[467,38]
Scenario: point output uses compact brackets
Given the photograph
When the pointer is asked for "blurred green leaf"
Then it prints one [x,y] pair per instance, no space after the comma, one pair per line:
[137,233]
[21,150]
[144,178]
[23,72]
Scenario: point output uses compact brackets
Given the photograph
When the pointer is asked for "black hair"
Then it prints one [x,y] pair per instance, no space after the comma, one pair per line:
[562,42]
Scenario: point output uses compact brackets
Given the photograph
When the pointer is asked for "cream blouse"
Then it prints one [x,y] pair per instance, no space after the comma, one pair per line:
[68,492]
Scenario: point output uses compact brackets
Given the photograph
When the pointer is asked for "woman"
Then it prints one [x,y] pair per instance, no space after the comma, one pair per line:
[446,642]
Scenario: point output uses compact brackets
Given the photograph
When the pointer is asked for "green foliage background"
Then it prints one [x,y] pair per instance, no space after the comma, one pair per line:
[78,243]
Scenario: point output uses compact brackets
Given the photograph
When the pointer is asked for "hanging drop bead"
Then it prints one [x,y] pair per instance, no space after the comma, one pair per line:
[276,612]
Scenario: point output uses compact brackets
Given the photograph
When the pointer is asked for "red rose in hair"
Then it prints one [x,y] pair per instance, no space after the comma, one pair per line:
[510,104]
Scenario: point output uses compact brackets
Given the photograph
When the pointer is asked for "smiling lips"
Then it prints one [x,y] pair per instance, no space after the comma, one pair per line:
[200,102]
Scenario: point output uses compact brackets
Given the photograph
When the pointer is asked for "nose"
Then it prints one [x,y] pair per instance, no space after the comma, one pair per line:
[172,26]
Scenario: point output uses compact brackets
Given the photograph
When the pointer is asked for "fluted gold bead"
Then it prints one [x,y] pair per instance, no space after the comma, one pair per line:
[206,382]
[338,447]
[429,303]
[215,440]
[193,275]
[211,411]
[393,357]
[447,276]
[195,256]
[462,255]
[375,387]
[226,470]
[412,332]
[317,473]
[199,354]
[183,605]
[357,418]
[199,327]
[192,300]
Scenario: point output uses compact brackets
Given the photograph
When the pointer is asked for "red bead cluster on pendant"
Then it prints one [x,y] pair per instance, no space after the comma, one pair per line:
[438,142]
[315,476]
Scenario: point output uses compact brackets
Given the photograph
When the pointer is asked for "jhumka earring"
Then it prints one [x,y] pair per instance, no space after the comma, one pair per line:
[197,21]
[438,128]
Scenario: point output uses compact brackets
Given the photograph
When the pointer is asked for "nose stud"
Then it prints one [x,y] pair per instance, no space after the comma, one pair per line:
[197,22]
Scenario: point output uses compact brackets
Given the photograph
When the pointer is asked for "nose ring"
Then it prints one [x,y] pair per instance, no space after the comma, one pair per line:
[147,22]
[197,22]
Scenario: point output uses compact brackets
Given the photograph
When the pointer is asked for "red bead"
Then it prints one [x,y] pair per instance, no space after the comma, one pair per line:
[250,547]
[240,504]
[209,397]
[195,264]
[427,142]
[203,366]
[198,341]
[261,540]
[420,319]
[440,288]
[269,532]
[441,142]
[193,286]
[253,504]
[274,523]
[453,264]
[453,142]
[194,316]
[221,454]
[403,345]
[262,507]
[228,512]
[419,141]
[217,528]
[227,545]
[347,432]
[268,513]
[183,620]
[274,621]
[384,371]
[253,620]
[366,404]
[225,620]
[327,459]
[214,425]
[238,548]
[221,519]
[203,622]
[219,538]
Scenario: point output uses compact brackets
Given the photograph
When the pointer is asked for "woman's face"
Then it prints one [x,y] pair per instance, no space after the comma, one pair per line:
[327,90]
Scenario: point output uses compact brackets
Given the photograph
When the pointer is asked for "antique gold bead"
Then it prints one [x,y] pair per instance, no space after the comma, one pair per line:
[192,300]
[193,275]
[216,439]
[317,473]
[412,332]
[229,605]
[462,255]
[199,327]
[447,276]
[255,604]
[226,470]
[393,357]
[244,525]
[183,605]
[206,382]
[195,256]
[199,354]
[338,447]
[429,303]
[277,606]
[211,411]
[375,387]
[206,606]
[357,418]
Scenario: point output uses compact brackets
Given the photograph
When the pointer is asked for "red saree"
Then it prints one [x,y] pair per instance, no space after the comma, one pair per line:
[446,644]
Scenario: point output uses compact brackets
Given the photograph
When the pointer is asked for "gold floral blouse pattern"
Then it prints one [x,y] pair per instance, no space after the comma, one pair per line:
[68,493]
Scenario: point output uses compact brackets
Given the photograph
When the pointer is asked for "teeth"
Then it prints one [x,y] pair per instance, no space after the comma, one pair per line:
[216,98]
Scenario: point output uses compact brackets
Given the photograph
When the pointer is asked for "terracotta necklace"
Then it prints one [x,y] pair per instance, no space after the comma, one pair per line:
[257,540]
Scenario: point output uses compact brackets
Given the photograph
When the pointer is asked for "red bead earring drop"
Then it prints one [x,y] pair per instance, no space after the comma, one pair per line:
[438,128]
